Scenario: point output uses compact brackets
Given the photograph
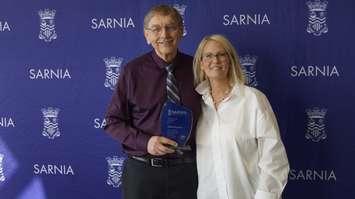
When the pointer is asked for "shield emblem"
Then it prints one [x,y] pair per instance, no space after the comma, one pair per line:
[113,66]
[115,171]
[50,122]
[316,125]
[317,17]
[47,25]
[112,74]
[2,176]
[249,69]
[181,9]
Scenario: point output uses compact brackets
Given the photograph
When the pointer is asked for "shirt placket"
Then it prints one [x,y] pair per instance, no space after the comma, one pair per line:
[218,156]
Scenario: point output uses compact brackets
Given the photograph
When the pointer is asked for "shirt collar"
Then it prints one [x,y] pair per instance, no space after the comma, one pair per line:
[160,62]
[204,89]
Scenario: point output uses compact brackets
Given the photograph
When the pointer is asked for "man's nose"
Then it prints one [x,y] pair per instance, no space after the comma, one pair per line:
[164,32]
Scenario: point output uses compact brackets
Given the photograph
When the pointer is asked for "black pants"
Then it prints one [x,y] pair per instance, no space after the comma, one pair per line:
[141,181]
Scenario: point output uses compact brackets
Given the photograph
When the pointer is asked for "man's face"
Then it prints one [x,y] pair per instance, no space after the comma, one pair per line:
[164,34]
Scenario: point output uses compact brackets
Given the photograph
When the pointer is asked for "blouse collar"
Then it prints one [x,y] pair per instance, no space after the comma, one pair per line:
[204,89]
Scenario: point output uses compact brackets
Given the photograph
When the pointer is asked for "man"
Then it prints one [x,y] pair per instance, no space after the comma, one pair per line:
[154,169]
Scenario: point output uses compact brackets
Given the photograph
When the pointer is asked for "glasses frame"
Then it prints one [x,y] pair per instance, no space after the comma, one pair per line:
[209,57]
[157,30]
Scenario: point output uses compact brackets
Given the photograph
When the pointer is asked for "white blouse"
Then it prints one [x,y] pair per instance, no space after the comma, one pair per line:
[240,154]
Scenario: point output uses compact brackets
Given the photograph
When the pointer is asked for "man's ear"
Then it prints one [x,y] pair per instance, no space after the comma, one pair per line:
[146,37]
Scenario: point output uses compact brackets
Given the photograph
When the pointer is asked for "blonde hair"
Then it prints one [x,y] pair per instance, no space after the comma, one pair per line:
[234,75]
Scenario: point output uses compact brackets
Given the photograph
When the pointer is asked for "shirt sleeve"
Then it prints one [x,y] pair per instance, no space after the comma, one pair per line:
[273,163]
[118,118]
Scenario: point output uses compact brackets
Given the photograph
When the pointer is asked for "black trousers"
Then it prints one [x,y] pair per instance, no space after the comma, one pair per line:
[141,181]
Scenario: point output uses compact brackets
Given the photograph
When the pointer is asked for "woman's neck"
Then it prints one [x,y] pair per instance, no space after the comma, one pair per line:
[219,90]
[219,86]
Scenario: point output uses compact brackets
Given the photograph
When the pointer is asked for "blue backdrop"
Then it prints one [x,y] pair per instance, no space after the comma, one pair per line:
[59,61]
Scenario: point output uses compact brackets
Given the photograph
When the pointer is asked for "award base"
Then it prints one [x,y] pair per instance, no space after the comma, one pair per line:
[180,149]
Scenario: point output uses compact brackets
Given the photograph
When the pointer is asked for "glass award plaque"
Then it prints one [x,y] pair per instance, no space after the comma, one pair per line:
[176,123]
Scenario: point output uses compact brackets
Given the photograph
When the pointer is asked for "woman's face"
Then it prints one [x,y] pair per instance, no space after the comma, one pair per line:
[215,61]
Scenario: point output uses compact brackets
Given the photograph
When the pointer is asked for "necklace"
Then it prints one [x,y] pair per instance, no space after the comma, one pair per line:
[219,99]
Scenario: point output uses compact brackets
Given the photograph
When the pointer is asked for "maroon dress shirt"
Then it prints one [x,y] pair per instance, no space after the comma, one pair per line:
[133,115]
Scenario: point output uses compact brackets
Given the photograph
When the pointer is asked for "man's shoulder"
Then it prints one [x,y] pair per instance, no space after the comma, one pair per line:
[185,57]
[138,61]
[184,61]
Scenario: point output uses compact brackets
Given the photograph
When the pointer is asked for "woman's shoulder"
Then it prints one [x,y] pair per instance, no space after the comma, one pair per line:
[253,93]
[255,97]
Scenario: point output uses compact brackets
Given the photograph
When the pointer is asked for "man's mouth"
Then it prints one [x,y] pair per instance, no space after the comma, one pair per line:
[165,42]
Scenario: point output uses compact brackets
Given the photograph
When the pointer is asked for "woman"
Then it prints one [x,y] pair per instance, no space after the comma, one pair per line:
[240,154]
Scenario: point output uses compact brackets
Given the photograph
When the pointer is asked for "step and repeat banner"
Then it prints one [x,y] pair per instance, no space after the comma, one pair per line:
[60,60]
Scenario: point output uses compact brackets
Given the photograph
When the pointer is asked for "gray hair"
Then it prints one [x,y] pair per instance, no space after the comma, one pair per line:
[163,10]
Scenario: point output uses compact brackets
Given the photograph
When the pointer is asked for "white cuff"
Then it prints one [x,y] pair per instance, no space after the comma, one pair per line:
[265,195]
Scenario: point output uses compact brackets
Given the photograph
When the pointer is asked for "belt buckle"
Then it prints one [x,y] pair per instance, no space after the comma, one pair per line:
[157,162]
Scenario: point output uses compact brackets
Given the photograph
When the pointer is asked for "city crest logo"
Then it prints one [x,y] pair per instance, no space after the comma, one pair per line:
[316,125]
[113,66]
[181,9]
[317,17]
[115,170]
[47,25]
[249,69]
[2,175]
[50,122]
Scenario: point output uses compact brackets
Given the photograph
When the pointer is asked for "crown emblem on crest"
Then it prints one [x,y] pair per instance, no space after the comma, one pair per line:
[316,113]
[113,61]
[248,60]
[115,161]
[46,14]
[50,112]
[180,8]
[317,5]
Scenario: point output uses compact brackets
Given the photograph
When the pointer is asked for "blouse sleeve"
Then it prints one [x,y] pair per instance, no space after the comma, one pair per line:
[273,163]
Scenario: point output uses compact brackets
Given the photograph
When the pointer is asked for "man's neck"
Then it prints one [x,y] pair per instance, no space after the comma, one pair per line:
[168,58]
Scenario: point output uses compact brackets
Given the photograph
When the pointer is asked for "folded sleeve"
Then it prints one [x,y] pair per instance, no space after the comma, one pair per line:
[273,163]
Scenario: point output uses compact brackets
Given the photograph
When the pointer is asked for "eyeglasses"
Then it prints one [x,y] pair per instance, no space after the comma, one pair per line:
[157,30]
[208,57]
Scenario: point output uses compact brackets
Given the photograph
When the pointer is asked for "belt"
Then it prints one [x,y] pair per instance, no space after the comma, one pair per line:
[163,162]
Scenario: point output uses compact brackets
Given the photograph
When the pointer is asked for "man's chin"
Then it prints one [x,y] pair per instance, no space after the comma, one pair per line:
[167,50]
